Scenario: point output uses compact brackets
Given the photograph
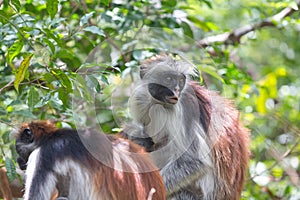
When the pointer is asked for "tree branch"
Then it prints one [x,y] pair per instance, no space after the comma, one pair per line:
[9,190]
[234,36]
[10,83]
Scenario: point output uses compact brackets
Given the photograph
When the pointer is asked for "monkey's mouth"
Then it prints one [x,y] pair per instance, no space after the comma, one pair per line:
[172,99]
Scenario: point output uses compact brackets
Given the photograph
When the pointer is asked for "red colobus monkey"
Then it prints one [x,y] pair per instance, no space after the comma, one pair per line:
[58,159]
[195,136]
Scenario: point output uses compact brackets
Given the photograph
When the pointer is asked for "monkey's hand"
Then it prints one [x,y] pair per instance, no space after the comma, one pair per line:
[22,163]
[138,136]
[147,143]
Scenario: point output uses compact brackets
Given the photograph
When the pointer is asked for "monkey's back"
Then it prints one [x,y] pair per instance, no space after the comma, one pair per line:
[66,152]
[229,140]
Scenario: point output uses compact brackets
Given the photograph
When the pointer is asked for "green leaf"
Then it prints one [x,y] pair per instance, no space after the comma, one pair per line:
[52,35]
[81,88]
[14,154]
[14,50]
[211,71]
[33,98]
[208,3]
[49,77]
[287,190]
[187,30]
[52,7]
[24,113]
[5,137]
[10,169]
[212,26]
[21,71]
[16,4]
[63,96]
[93,83]
[104,79]
[44,100]
[50,44]
[65,81]
[72,61]
[94,30]
[4,17]
[63,78]
[199,23]
[106,2]
[84,20]
[169,3]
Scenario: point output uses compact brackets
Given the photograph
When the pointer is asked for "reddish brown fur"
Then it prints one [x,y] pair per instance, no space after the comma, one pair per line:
[124,188]
[231,148]
[39,128]
[105,178]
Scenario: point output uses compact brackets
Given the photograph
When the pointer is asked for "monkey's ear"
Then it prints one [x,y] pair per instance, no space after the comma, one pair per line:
[143,71]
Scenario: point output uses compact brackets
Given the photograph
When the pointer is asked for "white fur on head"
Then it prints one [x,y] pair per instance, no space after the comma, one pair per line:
[166,63]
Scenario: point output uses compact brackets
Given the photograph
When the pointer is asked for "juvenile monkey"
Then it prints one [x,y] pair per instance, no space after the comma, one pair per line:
[58,159]
[195,135]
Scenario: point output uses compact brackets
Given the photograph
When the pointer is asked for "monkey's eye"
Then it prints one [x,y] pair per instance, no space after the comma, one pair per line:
[27,135]
[27,131]
[168,78]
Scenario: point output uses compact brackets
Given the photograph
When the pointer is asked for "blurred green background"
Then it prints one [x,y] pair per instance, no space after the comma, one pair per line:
[61,56]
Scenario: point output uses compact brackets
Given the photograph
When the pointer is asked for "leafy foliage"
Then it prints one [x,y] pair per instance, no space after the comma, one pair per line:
[59,57]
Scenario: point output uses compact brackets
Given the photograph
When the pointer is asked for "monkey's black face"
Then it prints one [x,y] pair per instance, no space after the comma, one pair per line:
[167,88]
[25,138]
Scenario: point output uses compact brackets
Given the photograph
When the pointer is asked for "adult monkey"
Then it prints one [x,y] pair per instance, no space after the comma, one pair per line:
[57,161]
[195,135]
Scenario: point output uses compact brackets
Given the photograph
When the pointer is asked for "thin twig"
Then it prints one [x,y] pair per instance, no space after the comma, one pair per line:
[7,85]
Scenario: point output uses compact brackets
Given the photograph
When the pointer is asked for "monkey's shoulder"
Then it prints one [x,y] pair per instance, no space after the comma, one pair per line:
[59,152]
[62,142]
[63,134]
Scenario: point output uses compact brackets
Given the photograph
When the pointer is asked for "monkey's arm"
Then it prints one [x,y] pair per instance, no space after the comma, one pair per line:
[147,143]
[138,136]
[183,173]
